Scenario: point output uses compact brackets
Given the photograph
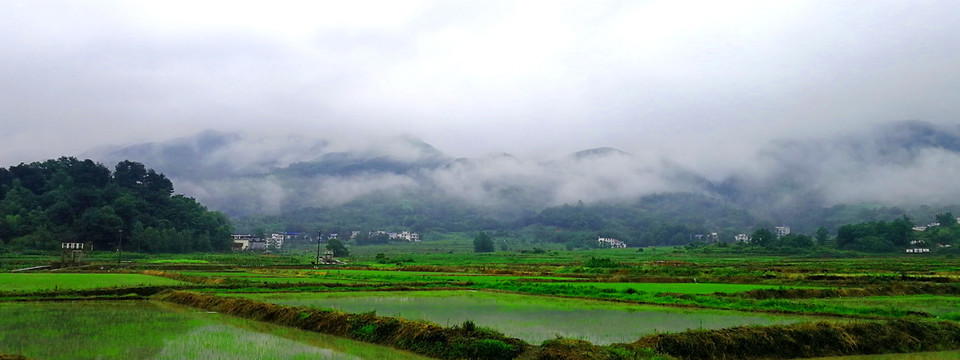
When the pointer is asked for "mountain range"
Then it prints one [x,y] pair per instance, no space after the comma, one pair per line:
[907,167]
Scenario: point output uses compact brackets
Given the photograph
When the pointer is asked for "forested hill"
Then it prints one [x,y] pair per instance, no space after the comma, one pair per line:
[69,200]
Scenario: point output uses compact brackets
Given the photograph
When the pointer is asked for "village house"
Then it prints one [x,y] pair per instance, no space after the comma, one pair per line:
[275,242]
[405,235]
[241,241]
[783,230]
[742,238]
[917,250]
[611,243]
[410,236]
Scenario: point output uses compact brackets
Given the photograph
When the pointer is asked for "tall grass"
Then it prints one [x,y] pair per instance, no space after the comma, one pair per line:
[807,340]
[432,340]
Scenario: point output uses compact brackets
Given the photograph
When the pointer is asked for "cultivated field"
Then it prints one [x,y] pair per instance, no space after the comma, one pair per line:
[599,304]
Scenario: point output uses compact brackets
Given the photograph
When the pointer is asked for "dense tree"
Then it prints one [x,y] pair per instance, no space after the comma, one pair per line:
[876,236]
[482,243]
[339,250]
[762,237]
[822,236]
[796,241]
[946,219]
[44,203]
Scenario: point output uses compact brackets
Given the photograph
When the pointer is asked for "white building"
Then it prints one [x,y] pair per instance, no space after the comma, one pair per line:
[275,241]
[409,236]
[783,230]
[918,250]
[742,238]
[612,243]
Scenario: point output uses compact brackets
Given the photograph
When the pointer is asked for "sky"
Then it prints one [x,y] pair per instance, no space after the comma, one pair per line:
[707,82]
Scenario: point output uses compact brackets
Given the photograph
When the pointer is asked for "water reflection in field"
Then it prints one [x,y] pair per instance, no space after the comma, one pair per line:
[532,318]
[149,330]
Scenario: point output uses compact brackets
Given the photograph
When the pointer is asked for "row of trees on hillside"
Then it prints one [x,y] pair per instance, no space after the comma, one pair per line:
[69,200]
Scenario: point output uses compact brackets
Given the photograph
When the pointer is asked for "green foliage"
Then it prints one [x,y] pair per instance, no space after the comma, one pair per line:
[482,243]
[795,241]
[876,236]
[822,235]
[339,250]
[69,200]
[946,219]
[762,237]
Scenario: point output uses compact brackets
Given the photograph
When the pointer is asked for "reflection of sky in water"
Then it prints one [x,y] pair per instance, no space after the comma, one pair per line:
[536,319]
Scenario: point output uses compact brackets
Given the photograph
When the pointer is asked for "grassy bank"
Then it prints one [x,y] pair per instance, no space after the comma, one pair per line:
[464,341]
[807,340]
[885,290]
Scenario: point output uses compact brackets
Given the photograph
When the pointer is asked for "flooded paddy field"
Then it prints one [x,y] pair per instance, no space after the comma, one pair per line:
[153,330]
[528,317]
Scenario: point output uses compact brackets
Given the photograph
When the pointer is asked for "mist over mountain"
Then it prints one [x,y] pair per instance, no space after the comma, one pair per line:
[901,164]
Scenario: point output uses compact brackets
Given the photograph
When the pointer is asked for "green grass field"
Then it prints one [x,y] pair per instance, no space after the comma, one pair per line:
[49,281]
[600,295]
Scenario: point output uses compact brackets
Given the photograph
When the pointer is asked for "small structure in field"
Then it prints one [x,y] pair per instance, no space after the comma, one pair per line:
[918,250]
[72,253]
[327,259]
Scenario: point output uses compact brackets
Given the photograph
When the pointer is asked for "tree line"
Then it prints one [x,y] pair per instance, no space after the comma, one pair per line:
[43,204]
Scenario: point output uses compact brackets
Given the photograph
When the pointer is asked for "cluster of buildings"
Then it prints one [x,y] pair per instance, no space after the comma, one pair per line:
[249,242]
[930,225]
[405,235]
[611,243]
[778,231]
[275,241]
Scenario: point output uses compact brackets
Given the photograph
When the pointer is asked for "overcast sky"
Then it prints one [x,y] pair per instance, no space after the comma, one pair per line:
[705,80]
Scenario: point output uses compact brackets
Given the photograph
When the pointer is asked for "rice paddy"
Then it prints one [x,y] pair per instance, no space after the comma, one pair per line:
[485,306]
[151,330]
[529,317]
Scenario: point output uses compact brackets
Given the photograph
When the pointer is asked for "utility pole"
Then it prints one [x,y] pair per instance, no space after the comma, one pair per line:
[120,246]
